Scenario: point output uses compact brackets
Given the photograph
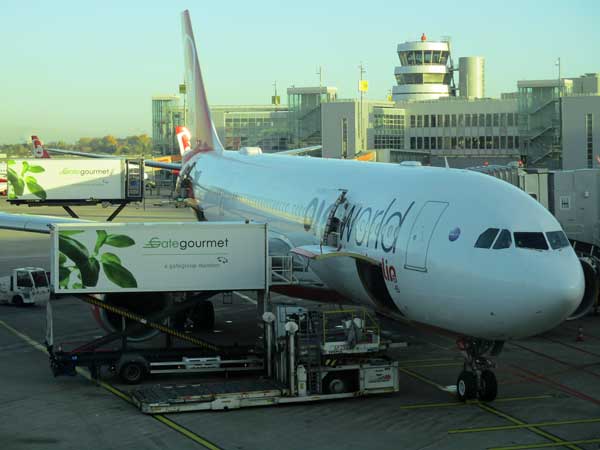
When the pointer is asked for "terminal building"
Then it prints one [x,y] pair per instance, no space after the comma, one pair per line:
[550,123]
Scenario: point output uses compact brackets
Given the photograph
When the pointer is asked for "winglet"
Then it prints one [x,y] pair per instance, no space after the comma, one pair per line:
[203,138]
[38,148]
[446,162]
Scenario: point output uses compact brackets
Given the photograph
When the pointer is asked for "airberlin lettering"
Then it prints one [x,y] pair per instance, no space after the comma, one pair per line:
[389,271]
[363,225]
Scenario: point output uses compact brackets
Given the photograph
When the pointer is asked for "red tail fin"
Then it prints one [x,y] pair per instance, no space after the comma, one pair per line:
[183,139]
[38,148]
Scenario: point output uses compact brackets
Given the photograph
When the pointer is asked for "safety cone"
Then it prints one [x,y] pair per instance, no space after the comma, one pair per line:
[579,337]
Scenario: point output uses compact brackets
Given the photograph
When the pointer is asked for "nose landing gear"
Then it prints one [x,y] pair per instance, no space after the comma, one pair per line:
[477,380]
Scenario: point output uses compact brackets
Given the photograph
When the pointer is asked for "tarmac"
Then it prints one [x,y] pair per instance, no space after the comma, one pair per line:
[549,385]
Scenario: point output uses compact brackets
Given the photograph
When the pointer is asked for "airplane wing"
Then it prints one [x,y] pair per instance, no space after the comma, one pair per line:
[299,151]
[33,223]
[147,162]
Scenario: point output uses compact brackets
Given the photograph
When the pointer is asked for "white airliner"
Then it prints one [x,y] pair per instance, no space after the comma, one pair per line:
[452,249]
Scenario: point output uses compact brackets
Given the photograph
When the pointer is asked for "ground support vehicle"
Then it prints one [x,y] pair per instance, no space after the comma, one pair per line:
[25,286]
[76,182]
[309,355]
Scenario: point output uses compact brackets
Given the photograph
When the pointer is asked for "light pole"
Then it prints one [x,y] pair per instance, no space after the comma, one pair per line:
[362,71]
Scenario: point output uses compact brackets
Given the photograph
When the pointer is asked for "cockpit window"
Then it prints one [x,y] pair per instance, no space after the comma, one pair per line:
[557,239]
[486,238]
[536,241]
[503,241]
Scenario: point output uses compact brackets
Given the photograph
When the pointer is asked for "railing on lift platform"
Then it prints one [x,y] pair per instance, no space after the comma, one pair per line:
[282,270]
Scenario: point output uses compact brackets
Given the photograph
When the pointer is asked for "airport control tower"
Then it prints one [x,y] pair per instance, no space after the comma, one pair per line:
[426,71]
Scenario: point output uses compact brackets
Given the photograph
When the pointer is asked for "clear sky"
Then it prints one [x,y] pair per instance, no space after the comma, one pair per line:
[77,68]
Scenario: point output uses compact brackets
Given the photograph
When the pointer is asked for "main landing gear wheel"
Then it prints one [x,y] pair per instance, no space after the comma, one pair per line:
[488,386]
[466,386]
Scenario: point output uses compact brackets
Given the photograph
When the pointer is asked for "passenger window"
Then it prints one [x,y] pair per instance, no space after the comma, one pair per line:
[503,241]
[486,238]
[535,241]
[557,239]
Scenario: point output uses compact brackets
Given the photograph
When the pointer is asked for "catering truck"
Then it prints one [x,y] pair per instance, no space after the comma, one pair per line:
[74,180]
[25,286]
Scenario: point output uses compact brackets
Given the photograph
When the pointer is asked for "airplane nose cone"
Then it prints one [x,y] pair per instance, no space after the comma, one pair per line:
[558,293]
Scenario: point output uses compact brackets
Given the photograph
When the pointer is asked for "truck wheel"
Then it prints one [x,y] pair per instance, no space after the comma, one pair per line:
[17,300]
[337,383]
[132,372]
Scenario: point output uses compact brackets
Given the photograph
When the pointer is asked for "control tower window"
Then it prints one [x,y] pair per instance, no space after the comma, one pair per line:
[503,241]
[444,58]
[427,55]
[535,241]
[410,58]
[418,58]
[557,239]
[437,55]
[486,238]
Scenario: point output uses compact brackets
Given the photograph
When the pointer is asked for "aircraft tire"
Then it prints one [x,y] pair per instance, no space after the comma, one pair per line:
[466,386]
[489,386]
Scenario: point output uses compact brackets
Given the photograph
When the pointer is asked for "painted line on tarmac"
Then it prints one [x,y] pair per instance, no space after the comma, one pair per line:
[117,392]
[517,427]
[547,445]
[245,297]
[556,440]
[418,361]
[492,410]
[556,360]
[24,337]
[186,432]
[459,404]
[418,366]
[536,377]
[574,347]
[423,379]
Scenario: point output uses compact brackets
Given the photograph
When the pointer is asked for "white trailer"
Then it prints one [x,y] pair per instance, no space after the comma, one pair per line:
[74,180]
[90,258]
[25,286]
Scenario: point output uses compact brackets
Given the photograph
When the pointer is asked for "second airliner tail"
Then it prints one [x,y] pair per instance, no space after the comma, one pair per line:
[38,148]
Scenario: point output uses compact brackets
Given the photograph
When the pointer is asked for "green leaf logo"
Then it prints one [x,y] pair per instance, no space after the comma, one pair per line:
[35,188]
[15,182]
[100,240]
[119,275]
[36,169]
[119,240]
[88,267]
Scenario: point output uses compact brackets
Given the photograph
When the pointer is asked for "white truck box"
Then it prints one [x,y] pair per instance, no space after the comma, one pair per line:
[158,257]
[66,179]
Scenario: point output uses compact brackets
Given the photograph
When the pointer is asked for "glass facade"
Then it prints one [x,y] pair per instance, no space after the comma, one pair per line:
[305,113]
[167,113]
[422,57]
[463,120]
[267,130]
[388,127]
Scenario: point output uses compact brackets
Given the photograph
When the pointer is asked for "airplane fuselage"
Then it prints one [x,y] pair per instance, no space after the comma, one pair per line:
[419,223]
